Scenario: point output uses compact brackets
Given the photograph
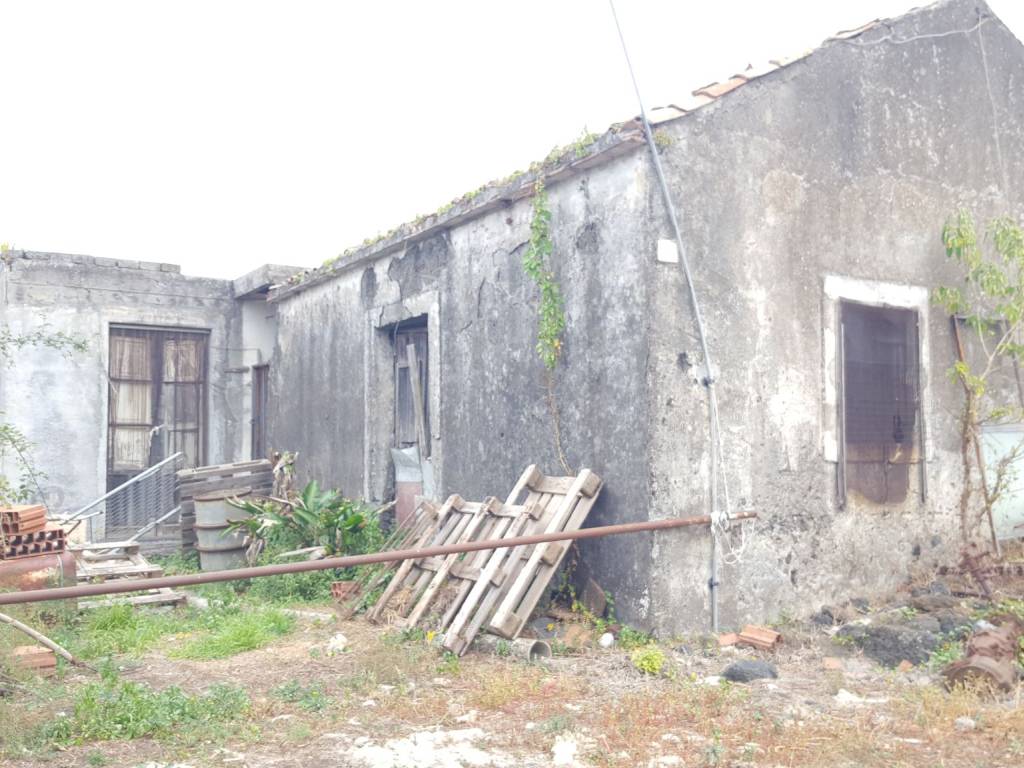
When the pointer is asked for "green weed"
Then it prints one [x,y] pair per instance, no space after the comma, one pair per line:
[118,709]
[650,660]
[238,632]
[311,698]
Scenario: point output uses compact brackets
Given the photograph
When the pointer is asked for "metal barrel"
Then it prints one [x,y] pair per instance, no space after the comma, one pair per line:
[220,548]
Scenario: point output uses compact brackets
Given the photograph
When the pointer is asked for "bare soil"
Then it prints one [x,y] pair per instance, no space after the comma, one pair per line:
[393,704]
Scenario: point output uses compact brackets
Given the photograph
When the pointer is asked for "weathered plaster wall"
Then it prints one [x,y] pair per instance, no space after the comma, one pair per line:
[844,164]
[61,403]
[333,384]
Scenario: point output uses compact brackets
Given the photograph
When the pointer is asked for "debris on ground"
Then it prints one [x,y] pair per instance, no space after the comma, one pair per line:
[990,656]
[761,638]
[748,670]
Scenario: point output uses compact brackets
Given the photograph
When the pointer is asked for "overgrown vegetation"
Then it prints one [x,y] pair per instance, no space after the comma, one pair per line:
[119,709]
[551,308]
[315,517]
[990,302]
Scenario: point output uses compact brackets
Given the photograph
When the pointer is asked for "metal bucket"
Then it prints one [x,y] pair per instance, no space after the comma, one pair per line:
[218,548]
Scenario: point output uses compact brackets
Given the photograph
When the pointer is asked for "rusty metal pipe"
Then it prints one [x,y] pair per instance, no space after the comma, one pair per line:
[191,579]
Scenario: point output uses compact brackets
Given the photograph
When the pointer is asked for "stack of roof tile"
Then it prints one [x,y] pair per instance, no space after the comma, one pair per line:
[24,532]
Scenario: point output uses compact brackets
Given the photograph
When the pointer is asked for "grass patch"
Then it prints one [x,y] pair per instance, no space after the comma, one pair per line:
[120,629]
[118,709]
[235,633]
[309,697]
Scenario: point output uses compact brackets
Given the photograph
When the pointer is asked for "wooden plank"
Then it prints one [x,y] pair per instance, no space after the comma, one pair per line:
[473,522]
[220,470]
[259,483]
[405,568]
[534,578]
[417,402]
[152,597]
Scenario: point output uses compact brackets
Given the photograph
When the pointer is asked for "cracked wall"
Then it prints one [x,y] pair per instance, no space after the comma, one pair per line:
[844,164]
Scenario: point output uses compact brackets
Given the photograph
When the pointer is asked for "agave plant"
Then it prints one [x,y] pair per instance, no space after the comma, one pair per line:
[315,517]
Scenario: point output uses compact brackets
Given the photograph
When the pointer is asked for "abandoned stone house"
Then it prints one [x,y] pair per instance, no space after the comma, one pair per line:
[811,195]
[173,364]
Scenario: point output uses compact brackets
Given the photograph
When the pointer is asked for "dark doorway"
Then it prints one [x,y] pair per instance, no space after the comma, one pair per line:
[260,389]
[406,432]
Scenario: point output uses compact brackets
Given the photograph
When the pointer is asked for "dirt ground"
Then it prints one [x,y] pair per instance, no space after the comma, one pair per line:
[385,702]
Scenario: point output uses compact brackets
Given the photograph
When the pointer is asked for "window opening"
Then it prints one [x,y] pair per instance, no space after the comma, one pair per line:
[880,401]
[157,399]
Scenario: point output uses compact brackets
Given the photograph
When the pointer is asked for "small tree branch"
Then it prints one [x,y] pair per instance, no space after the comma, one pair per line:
[43,640]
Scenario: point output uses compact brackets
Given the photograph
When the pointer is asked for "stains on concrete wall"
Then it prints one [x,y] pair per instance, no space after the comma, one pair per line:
[83,296]
[843,164]
[890,146]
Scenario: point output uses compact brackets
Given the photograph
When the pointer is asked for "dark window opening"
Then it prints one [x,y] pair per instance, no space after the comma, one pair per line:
[880,400]
[260,396]
[157,401]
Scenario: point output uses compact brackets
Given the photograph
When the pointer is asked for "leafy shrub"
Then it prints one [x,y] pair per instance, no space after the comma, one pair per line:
[650,659]
[315,517]
[630,638]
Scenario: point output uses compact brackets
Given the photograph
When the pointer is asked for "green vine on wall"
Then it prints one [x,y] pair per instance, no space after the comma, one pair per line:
[551,312]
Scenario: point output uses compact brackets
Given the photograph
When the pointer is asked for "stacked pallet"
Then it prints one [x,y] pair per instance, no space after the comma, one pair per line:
[115,560]
[25,532]
[257,476]
[497,589]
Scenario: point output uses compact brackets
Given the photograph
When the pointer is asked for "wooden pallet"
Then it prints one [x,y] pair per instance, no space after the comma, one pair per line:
[120,560]
[479,587]
[402,595]
[258,476]
[405,536]
[521,574]
[534,577]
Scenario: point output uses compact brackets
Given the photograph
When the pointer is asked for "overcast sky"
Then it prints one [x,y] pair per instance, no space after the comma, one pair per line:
[223,135]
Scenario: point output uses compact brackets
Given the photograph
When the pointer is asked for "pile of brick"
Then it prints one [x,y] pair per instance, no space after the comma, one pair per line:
[25,532]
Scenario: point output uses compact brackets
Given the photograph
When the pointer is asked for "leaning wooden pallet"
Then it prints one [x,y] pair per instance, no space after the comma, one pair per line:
[405,535]
[458,520]
[543,510]
[426,538]
[533,579]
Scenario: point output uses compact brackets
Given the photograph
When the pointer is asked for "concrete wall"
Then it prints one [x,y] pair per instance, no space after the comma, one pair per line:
[334,383]
[830,178]
[59,402]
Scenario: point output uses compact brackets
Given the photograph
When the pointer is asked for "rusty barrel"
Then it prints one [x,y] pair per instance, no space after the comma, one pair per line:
[219,547]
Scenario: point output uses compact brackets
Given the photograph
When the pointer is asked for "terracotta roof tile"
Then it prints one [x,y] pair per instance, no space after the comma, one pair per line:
[714,90]
[752,72]
[664,114]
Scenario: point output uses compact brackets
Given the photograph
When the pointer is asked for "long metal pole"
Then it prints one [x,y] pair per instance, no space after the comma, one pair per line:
[709,375]
[191,579]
